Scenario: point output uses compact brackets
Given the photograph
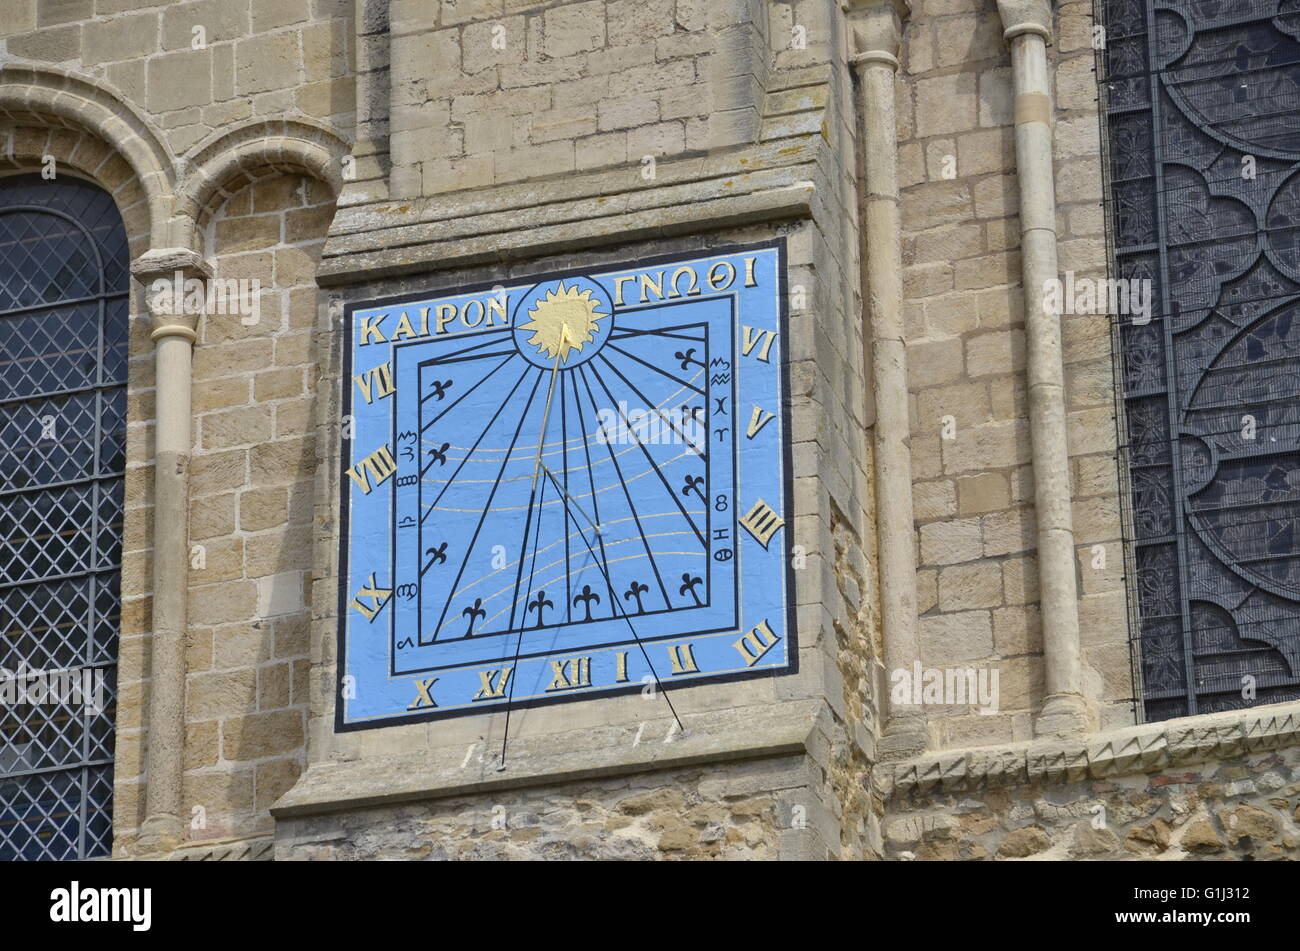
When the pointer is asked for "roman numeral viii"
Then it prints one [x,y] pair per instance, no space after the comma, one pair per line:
[373,470]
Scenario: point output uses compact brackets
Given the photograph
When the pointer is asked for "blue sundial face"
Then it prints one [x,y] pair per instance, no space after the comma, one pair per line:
[565,487]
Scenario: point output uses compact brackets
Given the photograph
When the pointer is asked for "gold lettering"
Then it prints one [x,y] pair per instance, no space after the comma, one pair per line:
[571,673]
[655,283]
[440,321]
[379,466]
[423,699]
[694,287]
[756,643]
[762,522]
[757,420]
[464,314]
[370,332]
[752,337]
[750,280]
[621,677]
[404,329]
[683,659]
[497,307]
[487,689]
[376,595]
[618,288]
[376,383]
[717,283]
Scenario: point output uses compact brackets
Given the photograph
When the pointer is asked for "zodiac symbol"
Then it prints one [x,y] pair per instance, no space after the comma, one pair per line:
[688,358]
[689,583]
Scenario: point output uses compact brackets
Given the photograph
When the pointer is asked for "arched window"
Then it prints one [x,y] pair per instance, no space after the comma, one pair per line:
[63,352]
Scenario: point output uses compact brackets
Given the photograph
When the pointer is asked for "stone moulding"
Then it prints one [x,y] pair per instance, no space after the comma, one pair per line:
[790,728]
[243,850]
[1125,752]
[772,181]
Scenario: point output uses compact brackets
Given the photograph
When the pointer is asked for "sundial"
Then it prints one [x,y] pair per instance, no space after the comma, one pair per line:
[566,486]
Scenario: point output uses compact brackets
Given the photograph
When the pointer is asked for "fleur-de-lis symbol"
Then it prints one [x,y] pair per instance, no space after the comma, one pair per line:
[636,591]
[473,613]
[440,454]
[439,554]
[440,388]
[587,596]
[689,583]
[540,603]
[692,484]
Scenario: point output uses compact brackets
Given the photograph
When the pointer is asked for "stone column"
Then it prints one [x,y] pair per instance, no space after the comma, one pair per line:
[173,336]
[877,29]
[1028,29]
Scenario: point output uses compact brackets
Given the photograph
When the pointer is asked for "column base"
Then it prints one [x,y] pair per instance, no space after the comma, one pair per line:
[904,737]
[1065,714]
[161,833]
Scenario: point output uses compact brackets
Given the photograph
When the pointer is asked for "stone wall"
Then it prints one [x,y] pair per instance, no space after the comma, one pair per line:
[200,67]
[513,161]
[189,81]
[752,811]
[1226,788]
[508,137]
[973,485]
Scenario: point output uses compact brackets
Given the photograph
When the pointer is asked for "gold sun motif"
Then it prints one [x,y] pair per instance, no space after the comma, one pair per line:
[563,321]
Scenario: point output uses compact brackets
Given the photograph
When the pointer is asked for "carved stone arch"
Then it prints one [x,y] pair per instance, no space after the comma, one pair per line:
[226,162]
[82,154]
[31,96]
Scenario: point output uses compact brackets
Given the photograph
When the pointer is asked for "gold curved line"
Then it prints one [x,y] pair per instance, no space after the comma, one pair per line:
[565,538]
[604,458]
[576,439]
[585,495]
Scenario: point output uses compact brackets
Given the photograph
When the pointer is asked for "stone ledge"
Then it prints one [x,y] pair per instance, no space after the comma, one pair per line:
[772,181]
[247,850]
[749,733]
[258,849]
[1132,750]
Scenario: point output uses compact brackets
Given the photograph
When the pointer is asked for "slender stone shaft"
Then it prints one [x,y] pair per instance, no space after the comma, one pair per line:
[1065,710]
[877,35]
[173,337]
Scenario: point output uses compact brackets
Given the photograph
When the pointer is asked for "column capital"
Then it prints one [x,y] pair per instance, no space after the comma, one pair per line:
[175,266]
[877,30]
[1026,16]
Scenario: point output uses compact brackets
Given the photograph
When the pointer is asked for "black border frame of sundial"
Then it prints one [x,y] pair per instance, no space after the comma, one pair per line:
[345,446]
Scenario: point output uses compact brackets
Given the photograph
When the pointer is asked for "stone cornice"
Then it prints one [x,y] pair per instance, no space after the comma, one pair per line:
[788,728]
[771,181]
[1133,750]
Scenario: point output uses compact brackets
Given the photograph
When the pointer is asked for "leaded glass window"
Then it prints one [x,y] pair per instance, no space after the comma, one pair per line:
[63,350]
[1201,116]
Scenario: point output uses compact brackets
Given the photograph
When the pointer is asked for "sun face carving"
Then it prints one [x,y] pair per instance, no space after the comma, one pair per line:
[563,321]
